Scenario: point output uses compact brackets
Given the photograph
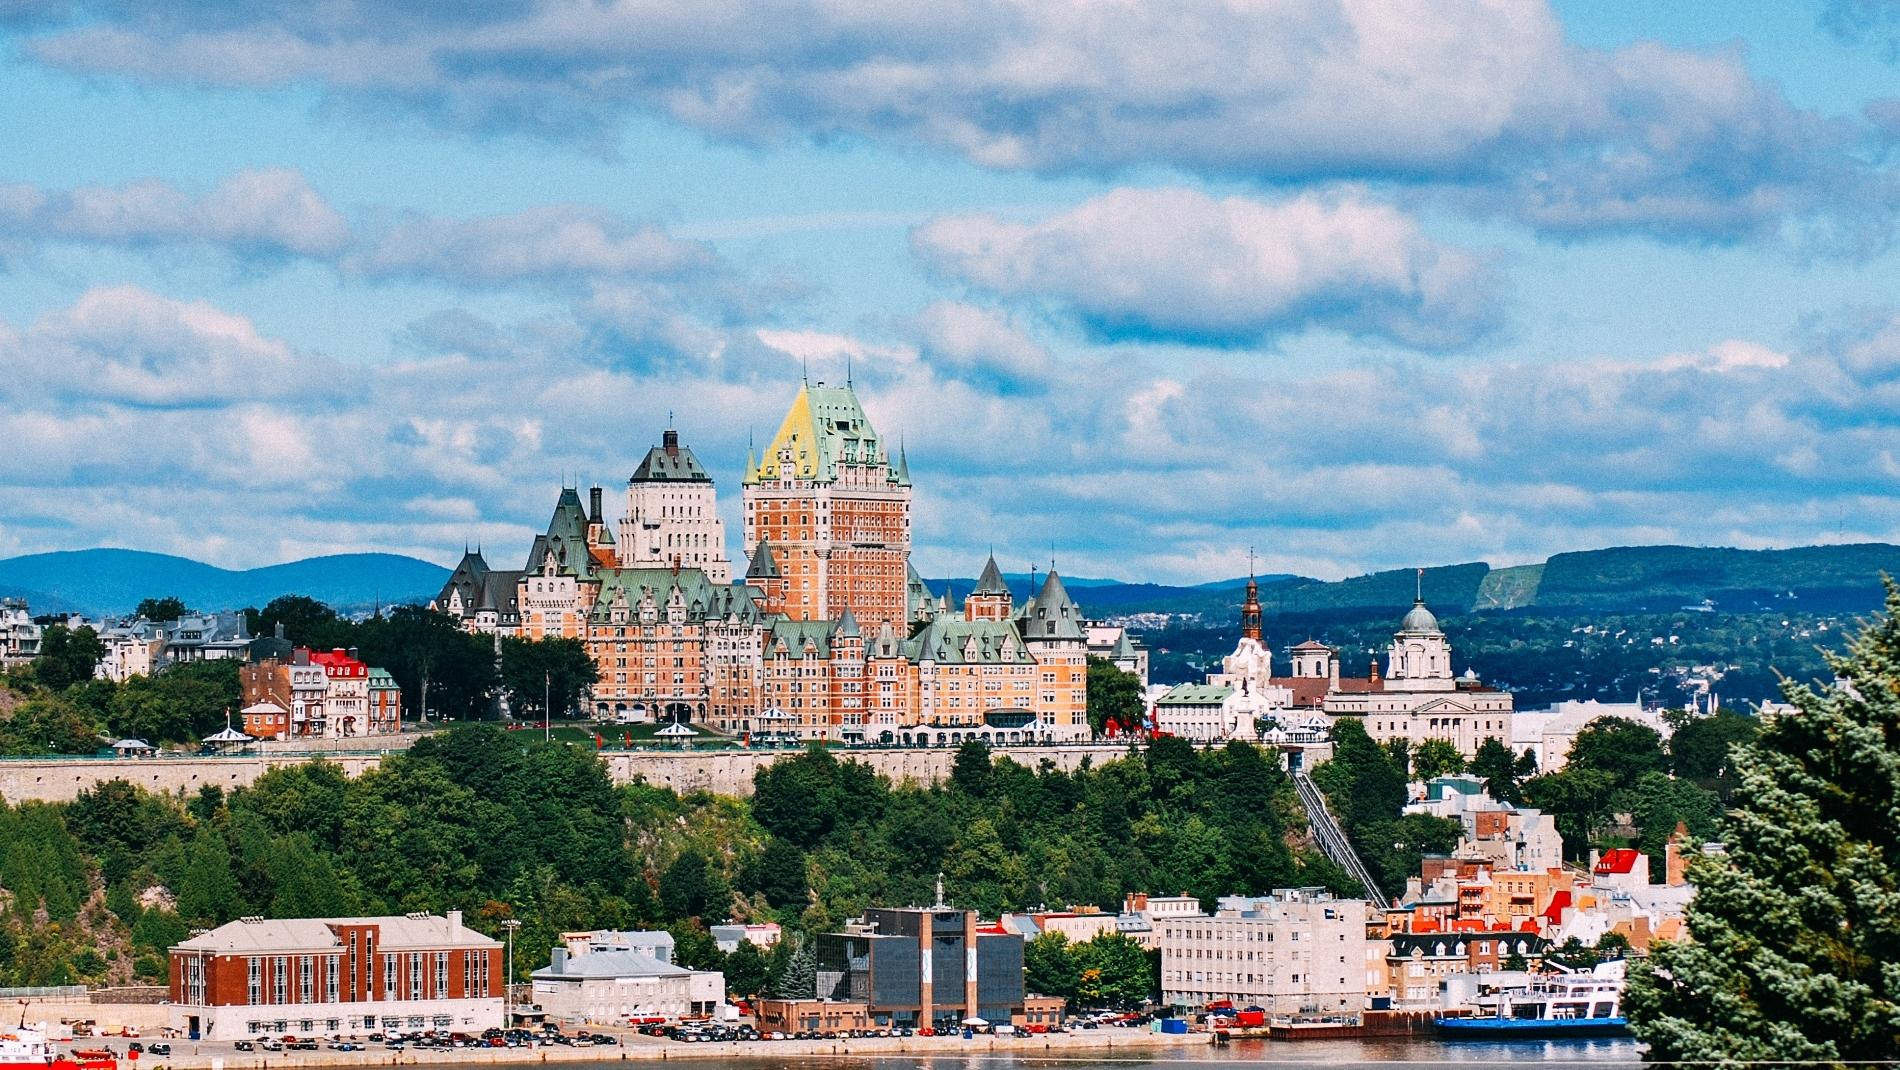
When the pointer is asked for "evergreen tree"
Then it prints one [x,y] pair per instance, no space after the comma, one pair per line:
[1111,694]
[1795,932]
[799,980]
[779,875]
[209,891]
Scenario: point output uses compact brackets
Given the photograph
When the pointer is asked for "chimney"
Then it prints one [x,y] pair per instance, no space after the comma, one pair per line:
[280,629]
[671,440]
[455,921]
[593,505]
[353,656]
[1595,856]
[1332,669]
[559,962]
[1373,675]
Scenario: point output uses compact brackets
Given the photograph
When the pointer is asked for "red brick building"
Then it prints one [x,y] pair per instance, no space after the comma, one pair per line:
[328,976]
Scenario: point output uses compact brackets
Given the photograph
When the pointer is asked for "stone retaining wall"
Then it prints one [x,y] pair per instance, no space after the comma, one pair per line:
[727,772]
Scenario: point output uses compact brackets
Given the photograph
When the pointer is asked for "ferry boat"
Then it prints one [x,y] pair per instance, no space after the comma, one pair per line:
[1563,1005]
[26,1048]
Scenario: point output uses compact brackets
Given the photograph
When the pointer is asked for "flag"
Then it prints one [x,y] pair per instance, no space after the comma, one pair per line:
[628,736]
[598,742]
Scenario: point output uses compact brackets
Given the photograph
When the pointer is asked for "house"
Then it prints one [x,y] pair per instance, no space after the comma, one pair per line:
[615,976]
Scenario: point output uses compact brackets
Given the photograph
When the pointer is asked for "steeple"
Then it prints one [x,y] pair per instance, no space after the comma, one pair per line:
[989,599]
[1250,610]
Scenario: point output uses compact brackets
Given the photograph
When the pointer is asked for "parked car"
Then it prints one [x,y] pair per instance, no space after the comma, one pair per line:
[160,1048]
[244,1045]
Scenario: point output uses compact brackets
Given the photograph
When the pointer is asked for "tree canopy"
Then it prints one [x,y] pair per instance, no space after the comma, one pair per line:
[1795,930]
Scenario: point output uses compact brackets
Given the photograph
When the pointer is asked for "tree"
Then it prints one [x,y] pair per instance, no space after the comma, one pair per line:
[444,672]
[1792,933]
[779,874]
[49,725]
[1435,758]
[692,888]
[306,622]
[208,894]
[799,979]
[537,672]
[1577,798]
[1658,803]
[161,609]
[1115,972]
[747,970]
[1503,773]
[67,656]
[1114,695]
[970,771]
[1623,748]
[1700,748]
[1052,966]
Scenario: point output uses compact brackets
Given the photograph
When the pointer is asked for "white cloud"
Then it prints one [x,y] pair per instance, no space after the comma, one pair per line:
[1181,264]
[261,213]
[551,242]
[1486,97]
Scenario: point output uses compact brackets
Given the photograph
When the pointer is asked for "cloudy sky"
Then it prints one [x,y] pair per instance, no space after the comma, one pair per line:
[1355,283]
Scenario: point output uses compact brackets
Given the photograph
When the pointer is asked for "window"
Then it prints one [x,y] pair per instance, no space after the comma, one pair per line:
[389,977]
[279,975]
[305,982]
[415,975]
[441,974]
[255,995]
[331,965]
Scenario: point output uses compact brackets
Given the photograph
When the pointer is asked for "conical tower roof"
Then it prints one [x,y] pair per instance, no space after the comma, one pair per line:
[991,582]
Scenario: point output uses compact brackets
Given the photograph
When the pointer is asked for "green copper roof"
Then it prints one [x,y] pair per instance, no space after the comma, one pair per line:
[1195,695]
[826,427]
[954,641]
[1052,614]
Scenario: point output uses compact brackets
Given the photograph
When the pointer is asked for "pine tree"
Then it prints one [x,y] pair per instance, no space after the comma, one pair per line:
[799,980]
[1795,949]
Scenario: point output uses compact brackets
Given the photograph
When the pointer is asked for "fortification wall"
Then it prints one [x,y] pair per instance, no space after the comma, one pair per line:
[721,772]
[62,779]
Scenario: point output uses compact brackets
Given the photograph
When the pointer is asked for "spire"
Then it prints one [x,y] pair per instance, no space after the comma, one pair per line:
[1250,609]
[991,581]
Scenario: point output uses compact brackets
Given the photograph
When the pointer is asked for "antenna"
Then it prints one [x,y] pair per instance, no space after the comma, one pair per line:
[1420,593]
[847,368]
[1250,562]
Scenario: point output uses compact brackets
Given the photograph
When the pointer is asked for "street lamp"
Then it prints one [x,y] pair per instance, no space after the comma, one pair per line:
[508,986]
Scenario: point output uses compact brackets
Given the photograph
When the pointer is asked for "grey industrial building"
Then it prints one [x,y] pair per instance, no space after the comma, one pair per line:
[919,966]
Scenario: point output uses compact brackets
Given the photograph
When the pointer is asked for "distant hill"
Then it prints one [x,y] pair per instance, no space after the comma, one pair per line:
[1625,578]
[108,581]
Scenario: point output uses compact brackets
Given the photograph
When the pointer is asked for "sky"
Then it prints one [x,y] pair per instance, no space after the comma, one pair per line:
[1144,288]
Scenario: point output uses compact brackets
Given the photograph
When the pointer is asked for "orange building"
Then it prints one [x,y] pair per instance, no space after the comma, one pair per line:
[835,506]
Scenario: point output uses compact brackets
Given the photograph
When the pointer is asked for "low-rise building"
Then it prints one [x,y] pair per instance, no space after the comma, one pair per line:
[760,935]
[616,976]
[19,636]
[1296,951]
[324,976]
[923,966]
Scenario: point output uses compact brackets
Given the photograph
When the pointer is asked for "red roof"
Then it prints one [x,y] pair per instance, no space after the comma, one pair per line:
[1558,904]
[1620,860]
[338,663]
[1309,692]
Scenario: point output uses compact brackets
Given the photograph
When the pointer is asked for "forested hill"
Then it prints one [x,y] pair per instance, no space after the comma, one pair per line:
[1825,579]
[110,581]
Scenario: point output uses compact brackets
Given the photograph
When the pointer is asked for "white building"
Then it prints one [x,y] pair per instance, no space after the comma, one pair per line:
[1297,951]
[764,935]
[609,977]
[1419,698]
[673,514]
[19,636]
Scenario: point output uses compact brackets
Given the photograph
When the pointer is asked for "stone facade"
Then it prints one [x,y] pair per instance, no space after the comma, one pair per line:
[1296,951]
[830,635]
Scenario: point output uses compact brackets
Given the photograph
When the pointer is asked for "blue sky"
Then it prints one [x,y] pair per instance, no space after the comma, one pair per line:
[1356,285]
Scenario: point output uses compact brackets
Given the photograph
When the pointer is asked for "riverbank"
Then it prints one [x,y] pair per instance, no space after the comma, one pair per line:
[188,1055]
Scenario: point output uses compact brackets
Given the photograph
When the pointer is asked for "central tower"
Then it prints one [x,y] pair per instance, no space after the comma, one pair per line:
[835,507]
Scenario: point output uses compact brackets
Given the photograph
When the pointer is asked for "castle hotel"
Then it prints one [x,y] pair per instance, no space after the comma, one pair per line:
[829,634]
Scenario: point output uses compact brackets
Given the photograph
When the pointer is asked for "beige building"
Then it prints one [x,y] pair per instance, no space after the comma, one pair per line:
[673,514]
[1296,951]
[607,977]
[1419,698]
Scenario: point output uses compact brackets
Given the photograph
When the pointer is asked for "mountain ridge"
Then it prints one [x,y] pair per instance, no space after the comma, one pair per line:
[111,581]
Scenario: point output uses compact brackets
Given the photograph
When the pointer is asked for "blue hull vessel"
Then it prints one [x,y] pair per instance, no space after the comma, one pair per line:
[1489,1028]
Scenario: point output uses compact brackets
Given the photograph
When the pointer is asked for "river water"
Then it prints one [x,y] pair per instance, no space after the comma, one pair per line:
[1380,1054]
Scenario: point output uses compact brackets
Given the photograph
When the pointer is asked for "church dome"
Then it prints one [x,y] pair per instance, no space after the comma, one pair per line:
[1419,619]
